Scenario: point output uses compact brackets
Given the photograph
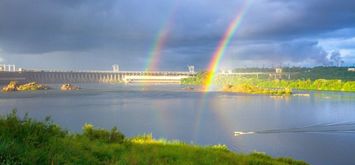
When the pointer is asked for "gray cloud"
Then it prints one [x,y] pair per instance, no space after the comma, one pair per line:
[336,58]
[294,52]
[124,31]
[290,19]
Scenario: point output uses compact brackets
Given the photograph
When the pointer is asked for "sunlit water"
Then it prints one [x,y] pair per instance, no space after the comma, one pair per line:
[176,112]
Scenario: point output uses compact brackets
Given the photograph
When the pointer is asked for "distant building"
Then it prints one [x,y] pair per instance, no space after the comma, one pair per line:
[115,68]
[351,69]
[278,70]
[7,68]
[225,72]
[191,69]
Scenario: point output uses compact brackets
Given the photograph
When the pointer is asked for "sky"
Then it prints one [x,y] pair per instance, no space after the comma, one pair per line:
[94,35]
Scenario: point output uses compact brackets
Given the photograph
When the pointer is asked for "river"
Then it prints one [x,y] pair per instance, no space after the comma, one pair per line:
[318,129]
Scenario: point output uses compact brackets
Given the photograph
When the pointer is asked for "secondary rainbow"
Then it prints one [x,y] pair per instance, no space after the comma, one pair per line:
[222,45]
[154,54]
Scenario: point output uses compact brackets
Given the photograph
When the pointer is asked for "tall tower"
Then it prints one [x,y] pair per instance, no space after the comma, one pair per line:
[8,68]
[115,68]
[191,69]
[2,67]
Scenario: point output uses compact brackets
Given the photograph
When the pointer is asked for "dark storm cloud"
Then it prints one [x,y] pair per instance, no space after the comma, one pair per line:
[112,30]
[42,26]
[282,52]
[298,18]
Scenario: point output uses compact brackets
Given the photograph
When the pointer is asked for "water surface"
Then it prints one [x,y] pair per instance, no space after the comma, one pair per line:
[176,112]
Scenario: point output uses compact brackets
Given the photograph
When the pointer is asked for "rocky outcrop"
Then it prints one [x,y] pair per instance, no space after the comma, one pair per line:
[32,86]
[11,87]
[69,87]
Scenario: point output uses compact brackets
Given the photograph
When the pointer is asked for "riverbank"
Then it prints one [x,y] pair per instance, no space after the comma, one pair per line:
[26,141]
[319,84]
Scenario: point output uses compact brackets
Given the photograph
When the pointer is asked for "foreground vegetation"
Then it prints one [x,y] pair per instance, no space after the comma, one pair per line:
[264,84]
[26,141]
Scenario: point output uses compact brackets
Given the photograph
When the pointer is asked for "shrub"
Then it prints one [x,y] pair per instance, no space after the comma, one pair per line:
[145,138]
[220,147]
[113,136]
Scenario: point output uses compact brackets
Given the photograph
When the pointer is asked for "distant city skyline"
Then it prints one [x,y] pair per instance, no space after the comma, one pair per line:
[84,34]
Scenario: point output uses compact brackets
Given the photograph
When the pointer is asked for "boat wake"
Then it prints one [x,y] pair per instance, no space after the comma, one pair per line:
[343,127]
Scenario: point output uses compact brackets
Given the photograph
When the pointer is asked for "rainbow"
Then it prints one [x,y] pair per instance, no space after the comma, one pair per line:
[161,39]
[154,54]
[223,44]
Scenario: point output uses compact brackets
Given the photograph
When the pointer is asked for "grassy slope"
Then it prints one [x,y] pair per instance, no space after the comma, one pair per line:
[25,141]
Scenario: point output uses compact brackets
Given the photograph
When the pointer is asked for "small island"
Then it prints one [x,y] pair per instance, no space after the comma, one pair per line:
[69,87]
[15,86]
[251,89]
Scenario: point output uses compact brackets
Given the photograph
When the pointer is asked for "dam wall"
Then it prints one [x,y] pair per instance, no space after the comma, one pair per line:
[93,77]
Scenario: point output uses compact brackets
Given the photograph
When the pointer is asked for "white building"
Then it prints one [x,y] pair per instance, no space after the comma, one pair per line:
[7,68]
[278,70]
[115,68]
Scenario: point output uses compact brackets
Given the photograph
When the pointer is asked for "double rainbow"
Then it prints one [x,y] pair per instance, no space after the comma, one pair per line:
[223,44]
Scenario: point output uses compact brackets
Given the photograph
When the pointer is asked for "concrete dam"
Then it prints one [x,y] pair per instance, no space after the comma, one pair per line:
[114,76]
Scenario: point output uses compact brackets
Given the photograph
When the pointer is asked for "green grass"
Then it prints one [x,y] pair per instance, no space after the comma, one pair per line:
[26,141]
